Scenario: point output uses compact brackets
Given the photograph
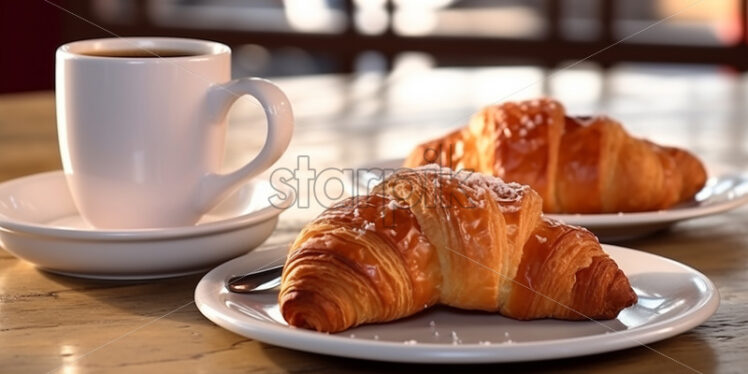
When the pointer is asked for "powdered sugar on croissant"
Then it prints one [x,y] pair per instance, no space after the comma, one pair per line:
[431,236]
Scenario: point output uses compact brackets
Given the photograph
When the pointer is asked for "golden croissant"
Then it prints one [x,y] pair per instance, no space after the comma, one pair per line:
[577,164]
[430,236]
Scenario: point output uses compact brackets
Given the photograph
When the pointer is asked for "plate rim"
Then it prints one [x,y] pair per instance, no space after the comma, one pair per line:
[232,320]
[13,226]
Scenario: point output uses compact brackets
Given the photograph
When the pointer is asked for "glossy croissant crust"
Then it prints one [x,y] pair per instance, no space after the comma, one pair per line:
[577,164]
[429,236]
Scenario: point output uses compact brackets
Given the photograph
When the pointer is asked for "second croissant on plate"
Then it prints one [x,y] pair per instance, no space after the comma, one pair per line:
[577,164]
[428,236]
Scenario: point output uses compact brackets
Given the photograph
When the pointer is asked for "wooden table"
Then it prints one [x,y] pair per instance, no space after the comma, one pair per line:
[56,323]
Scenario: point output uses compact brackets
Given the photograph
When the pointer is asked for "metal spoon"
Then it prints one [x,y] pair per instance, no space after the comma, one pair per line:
[257,281]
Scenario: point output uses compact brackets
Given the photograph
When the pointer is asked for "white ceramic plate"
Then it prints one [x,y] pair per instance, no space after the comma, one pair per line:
[40,224]
[725,190]
[673,298]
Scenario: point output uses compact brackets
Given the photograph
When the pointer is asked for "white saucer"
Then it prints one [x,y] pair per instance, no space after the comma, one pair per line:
[673,298]
[40,224]
[725,190]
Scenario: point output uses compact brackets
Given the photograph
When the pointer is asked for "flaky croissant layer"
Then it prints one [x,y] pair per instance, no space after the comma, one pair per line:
[431,236]
[577,164]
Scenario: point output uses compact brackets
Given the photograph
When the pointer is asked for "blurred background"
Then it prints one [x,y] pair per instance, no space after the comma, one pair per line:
[369,79]
[301,37]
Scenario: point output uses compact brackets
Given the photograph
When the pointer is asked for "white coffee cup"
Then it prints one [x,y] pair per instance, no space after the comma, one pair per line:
[142,138]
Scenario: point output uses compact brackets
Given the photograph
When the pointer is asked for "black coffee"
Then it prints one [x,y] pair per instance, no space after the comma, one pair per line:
[140,53]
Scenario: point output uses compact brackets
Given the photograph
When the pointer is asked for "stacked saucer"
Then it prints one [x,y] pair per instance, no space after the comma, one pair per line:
[40,224]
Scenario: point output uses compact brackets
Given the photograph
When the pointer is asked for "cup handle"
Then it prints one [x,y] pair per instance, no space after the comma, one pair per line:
[214,187]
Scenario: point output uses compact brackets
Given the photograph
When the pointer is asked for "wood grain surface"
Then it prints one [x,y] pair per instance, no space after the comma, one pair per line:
[52,323]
